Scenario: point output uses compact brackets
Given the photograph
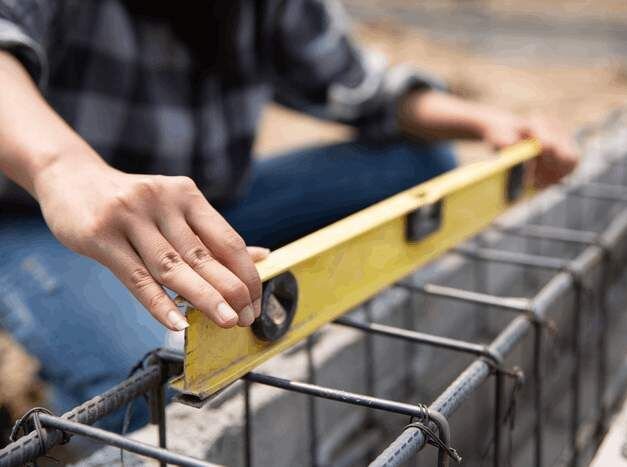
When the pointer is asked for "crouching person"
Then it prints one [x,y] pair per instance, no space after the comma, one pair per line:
[125,142]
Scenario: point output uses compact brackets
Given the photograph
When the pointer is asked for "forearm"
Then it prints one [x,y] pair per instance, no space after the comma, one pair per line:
[434,115]
[32,135]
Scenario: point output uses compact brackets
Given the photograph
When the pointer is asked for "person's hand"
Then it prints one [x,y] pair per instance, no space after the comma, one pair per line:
[434,116]
[154,232]
[559,155]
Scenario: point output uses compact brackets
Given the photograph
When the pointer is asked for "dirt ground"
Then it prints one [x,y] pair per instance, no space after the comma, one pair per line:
[565,58]
[574,84]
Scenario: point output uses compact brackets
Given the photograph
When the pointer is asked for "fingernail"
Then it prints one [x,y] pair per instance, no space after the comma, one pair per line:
[246,316]
[227,314]
[257,307]
[177,320]
[259,249]
[258,253]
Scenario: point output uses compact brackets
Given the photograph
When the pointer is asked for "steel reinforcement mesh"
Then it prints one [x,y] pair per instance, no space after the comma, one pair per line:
[537,371]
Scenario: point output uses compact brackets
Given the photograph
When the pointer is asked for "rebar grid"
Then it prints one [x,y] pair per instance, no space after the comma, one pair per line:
[427,424]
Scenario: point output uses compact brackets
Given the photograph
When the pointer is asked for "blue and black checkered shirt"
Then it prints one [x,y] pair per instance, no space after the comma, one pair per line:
[159,91]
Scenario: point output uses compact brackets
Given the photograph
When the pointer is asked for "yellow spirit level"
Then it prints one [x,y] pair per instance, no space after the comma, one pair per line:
[319,277]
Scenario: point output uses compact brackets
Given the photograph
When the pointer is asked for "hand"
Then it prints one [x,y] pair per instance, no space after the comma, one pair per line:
[434,115]
[559,155]
[153,232]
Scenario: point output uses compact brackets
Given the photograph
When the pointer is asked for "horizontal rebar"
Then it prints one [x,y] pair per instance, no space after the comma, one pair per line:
[617,229]
[514,258]
[601,191]
[517,304]
[422,338]
[113,439]
[412,440]
[77,421]
[547,232]
[29,447]
[336,394]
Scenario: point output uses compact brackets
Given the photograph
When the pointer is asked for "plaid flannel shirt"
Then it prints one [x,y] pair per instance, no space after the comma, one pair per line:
[135,92]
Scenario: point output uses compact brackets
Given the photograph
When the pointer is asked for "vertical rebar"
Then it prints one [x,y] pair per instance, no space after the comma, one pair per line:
[160,405]
[409,349]
[369,353]
[481,279]
[481,284]
[370,370]
[602,346]
[530,277]
[498,415]
[248,449]
[575,375]
[538,393]
[311,404]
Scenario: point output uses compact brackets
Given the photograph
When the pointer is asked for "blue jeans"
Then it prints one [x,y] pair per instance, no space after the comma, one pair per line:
[87,330]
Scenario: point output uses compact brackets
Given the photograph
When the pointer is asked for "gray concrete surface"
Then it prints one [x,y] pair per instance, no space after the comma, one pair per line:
[280,425]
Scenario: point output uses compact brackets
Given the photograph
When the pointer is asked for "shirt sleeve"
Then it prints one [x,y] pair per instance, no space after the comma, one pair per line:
[25,28]
[317,69]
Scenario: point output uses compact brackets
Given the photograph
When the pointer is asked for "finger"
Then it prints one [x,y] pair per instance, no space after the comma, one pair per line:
[503,139]
[567,162]
[257,253]
[200,259]
[166,265]
[124,262]
[554,163]
[569,152]
[530,173]
[550,171]
[226,246]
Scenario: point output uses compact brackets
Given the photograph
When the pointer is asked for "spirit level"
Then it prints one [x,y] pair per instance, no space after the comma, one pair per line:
[313,280]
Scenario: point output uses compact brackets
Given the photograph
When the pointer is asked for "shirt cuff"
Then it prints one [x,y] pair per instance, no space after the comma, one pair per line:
[398,81]
[381,122]
[29,52]
[403,78]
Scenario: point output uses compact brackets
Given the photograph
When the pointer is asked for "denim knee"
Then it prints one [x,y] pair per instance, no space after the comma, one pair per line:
[443,157]
[415,162]
[433,159]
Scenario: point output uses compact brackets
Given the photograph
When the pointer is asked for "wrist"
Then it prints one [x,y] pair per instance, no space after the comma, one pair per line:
[483,119]
[58,166]
[437,115]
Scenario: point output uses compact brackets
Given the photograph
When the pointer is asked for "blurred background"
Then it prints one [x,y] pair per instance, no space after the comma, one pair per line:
[563,58]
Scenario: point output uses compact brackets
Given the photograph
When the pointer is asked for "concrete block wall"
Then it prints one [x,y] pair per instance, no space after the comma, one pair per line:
[402,372]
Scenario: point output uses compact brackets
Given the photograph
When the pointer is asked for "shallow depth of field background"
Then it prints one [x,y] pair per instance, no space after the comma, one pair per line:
[564,58]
